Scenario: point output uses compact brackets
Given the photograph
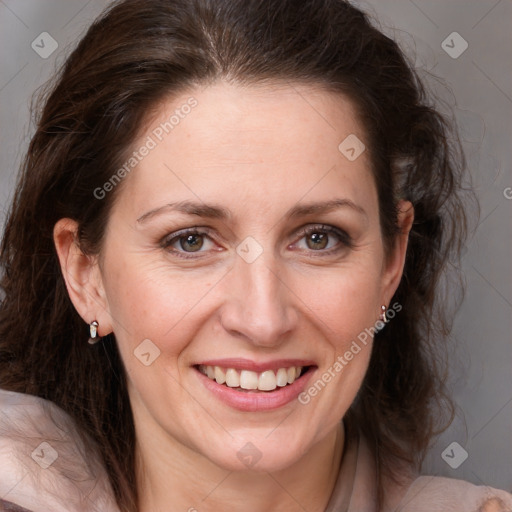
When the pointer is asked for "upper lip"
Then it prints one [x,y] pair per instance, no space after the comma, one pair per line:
[247,364]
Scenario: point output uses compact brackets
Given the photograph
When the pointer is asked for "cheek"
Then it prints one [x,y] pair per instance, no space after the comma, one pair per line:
[148,301]
[345,301]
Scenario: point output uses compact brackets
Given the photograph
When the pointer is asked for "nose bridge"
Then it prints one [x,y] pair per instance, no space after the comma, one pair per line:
[259,305]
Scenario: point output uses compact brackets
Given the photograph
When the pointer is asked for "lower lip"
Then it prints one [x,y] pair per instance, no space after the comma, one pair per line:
[253,401]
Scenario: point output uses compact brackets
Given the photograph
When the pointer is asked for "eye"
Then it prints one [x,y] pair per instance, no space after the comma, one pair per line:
[191,243]
[317,241]
[188,241]
[322,238]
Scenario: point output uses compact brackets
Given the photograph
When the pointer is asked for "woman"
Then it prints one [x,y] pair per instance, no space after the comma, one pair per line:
[249,204]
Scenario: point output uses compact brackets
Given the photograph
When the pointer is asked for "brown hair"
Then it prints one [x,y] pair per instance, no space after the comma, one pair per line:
[140,52]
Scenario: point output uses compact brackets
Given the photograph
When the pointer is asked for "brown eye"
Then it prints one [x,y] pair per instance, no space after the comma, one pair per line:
[317,241]
[187,242]
[323,239]
[191,243]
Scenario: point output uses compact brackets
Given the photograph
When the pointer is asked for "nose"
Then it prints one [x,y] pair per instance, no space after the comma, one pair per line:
[260,304]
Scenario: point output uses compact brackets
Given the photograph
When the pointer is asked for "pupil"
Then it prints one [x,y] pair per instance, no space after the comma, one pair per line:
[191,243]
[318,241]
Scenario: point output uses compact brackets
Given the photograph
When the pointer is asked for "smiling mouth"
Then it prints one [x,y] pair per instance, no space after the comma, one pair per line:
[249,381]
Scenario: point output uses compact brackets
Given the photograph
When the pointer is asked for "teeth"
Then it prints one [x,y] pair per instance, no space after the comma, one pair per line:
[282,377]
[246,379]
[232,378]
[267,381]
[219,374]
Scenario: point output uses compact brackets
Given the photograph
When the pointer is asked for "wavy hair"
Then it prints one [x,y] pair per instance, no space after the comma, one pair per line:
[139,52]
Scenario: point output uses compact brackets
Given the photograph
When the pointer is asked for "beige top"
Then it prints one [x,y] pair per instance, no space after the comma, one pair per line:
[44,467]
[356,490]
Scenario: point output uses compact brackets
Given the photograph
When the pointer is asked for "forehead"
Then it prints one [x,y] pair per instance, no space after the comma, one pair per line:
[263,141]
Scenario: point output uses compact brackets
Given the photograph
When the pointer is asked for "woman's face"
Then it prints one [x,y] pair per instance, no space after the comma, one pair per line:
[246,241]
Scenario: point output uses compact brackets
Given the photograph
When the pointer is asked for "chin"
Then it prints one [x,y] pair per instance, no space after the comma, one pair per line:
[257,455]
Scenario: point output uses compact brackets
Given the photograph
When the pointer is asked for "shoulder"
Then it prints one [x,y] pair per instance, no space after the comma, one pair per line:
[429,493]
[415,493]
[45,465]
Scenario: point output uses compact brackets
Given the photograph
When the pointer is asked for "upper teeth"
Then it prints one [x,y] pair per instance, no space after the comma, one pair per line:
[247,379]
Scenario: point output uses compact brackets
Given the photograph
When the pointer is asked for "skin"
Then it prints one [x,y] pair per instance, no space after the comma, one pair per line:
[258,152]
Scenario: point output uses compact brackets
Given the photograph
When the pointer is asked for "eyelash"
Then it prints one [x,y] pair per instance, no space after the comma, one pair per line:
[343,237]
[169,240]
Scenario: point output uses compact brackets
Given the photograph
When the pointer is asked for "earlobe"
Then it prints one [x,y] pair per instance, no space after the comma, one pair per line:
[395,263]
[81,275]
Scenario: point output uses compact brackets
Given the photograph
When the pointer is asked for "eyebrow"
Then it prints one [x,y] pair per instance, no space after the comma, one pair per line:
[302,210]
[190,208]
[218,212]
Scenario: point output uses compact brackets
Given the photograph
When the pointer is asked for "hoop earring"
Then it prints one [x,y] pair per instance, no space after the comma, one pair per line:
[93,330]
[383,314]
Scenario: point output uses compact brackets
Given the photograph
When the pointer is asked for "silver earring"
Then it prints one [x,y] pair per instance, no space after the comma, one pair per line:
[383,313]
[93,329]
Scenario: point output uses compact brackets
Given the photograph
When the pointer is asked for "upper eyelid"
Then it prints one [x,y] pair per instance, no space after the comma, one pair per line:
[186,231]
[167,242]
[204,230]
[312,228]
[343,237]
[302,231]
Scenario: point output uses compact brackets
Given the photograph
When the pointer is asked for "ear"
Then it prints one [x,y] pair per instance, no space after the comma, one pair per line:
[82,276]
[394,263]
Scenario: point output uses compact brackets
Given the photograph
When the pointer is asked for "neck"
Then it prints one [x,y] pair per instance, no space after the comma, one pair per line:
[169,472]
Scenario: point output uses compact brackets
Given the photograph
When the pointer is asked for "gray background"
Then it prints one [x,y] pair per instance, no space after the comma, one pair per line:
[481,84]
